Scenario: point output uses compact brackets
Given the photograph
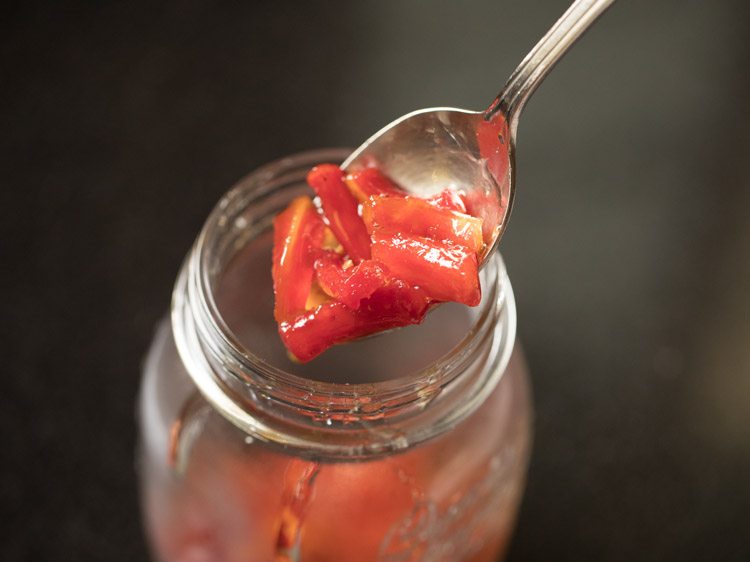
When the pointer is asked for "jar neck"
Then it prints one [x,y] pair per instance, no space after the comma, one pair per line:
[310,417]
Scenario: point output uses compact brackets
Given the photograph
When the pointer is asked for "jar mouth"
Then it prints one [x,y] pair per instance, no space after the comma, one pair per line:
[230,374]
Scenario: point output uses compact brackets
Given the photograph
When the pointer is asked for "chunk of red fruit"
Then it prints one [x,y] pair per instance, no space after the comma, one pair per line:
[391,306]
[446,272]
[340,209]
[368,182]
[351,284]
[412,216]
[298,233]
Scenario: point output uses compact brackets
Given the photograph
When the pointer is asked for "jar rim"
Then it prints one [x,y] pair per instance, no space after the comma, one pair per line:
[195,308]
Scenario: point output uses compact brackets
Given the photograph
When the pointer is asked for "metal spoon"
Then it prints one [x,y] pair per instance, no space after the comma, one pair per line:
[473,151]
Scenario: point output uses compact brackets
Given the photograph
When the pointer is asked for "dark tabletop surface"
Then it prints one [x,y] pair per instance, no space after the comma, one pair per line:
[629,248]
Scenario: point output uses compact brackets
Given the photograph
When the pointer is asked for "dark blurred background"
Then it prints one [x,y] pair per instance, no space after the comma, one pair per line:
[629,249]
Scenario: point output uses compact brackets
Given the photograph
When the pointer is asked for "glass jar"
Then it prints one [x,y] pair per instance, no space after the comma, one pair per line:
[407,446]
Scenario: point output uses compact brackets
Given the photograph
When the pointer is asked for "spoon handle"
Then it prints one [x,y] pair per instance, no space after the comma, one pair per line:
[540,60]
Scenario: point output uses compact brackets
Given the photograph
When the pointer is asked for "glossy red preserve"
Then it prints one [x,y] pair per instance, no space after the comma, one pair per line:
[364,257]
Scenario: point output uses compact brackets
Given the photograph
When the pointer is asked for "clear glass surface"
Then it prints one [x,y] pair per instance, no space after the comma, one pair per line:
[427,465]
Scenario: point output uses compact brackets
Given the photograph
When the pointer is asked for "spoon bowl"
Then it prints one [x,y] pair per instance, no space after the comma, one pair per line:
[432,149]
[472,152]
